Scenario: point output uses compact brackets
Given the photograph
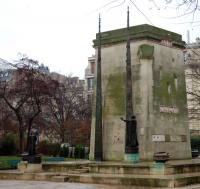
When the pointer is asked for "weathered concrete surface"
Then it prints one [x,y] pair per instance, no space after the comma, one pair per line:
[64,166]
[159,100]
[24,166]
[171,174]
[12,184]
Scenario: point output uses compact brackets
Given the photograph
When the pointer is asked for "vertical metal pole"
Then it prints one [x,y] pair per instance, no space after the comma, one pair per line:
[129,106]
[129,102]
[98,150]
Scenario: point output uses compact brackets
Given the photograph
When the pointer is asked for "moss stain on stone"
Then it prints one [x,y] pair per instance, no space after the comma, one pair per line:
[166,82]
[144,31]
[115,92]
[177,96]
[145,51]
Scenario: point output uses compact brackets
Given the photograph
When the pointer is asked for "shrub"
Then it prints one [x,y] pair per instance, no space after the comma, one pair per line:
[50,149]
[54,149]
[43,147]
[79,151]
[64,151]
[8,145]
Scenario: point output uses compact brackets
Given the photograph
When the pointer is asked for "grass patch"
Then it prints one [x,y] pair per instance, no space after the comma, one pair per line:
[8,162]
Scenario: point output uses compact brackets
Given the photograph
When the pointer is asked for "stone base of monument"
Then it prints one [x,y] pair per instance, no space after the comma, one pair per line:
[26,167]
[169,174]
[174,173]
[134,158]
[158,168]
[31,158]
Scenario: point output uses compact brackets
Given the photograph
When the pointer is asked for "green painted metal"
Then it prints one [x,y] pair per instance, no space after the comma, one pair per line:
[134,158]
[158,168]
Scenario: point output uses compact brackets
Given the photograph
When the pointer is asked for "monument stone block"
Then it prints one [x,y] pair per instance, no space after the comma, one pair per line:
[159,93]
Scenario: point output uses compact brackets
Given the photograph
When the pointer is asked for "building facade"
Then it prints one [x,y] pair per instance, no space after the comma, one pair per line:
[90,76]
[192,72]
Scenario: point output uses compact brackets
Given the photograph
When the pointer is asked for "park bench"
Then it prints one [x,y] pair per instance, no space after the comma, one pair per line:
[13,163]
[54,159]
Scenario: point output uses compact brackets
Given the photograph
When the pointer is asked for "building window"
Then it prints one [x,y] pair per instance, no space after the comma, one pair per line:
[92,67]
[90,83]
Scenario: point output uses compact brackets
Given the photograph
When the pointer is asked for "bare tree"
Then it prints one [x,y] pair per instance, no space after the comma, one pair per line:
[23,93]
[189,6]
[182,7]
[193,90]
[68,105]
[7,124]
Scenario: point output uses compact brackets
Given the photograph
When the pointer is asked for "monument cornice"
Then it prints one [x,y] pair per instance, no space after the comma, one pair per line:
[140,32]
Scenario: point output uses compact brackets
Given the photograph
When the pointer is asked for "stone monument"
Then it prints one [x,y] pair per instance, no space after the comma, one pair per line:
[158,93]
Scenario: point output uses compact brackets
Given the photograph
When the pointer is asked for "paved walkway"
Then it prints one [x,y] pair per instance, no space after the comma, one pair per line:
[12,184]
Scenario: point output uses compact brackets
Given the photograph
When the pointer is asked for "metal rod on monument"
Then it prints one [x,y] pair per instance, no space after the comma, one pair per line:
[98,151]
[129,106]
[129,101]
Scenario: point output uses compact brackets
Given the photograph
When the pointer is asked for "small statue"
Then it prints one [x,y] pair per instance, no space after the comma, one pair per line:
[33,139]
[131,135]
[32,156]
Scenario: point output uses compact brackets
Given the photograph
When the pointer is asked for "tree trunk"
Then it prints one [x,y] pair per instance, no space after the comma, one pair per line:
[62,134]
[21,134]
[21,141]
[28,134]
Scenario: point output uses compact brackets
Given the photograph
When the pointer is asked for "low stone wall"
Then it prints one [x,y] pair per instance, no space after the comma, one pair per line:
[147,168]
[62,167]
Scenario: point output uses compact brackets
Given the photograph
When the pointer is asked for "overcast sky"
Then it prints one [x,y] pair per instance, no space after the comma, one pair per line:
[59,33]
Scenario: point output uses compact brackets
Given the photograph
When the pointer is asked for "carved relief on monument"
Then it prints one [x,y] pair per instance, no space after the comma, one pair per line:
[166,43]
[117,139]
[169,138]
[164,109]
[178,138]
[142,131]
[158,138]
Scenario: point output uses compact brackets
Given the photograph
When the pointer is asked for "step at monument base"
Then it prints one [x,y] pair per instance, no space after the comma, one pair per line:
[171,174]
[170,181]
[60,178]
[147,168]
